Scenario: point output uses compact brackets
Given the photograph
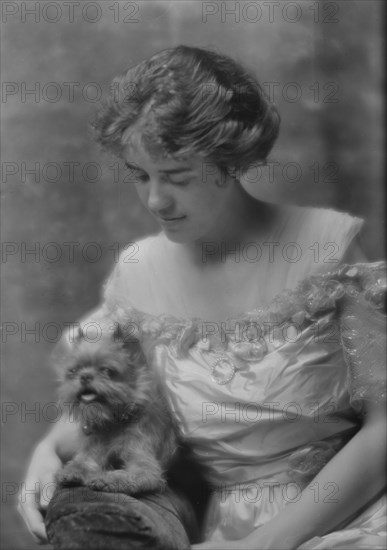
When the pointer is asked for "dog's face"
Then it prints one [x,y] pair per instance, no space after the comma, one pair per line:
[104,381]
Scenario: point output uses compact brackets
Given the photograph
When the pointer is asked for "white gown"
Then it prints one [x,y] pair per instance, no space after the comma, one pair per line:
[265,396]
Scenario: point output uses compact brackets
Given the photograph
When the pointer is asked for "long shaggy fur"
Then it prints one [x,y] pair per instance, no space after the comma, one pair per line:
[126,428]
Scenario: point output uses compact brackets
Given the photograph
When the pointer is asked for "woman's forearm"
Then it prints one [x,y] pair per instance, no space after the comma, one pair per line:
[65,437]
[351,479]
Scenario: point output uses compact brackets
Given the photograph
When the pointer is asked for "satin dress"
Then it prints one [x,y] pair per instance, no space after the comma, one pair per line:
[267,396]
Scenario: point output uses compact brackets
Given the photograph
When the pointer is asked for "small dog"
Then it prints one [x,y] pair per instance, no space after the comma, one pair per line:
[127,433]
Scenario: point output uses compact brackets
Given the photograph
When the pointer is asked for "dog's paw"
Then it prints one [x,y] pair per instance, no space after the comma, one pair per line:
[98,484]
[110,485]
[156,486]
[162,485]
[68,478]
[148,484]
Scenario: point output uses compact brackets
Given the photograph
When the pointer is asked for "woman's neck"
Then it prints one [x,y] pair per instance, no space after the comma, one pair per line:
[245,220]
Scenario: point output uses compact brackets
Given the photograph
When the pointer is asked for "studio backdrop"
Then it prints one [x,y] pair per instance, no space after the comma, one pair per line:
[67,211]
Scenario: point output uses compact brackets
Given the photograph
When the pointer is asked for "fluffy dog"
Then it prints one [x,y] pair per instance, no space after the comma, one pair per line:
[127,432]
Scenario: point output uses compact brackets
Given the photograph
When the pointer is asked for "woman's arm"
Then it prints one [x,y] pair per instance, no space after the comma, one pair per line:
[62,441]
[37,489]
[358,473]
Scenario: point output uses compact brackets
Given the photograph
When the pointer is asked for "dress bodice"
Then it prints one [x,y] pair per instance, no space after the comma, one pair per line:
[155,277]
[261,393]
[268,395]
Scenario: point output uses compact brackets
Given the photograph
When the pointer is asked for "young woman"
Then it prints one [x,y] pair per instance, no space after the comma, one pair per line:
[278,392]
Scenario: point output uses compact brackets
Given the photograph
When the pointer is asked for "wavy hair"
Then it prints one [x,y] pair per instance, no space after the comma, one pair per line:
[185,101]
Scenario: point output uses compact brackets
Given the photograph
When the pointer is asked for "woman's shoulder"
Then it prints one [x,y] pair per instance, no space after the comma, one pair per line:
[322,217]
[135,264]
[322,225]
[321,239]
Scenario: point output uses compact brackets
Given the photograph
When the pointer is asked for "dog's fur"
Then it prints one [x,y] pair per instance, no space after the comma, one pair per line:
[126,428]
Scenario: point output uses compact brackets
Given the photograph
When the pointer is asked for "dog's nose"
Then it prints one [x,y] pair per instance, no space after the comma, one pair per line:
[86,377]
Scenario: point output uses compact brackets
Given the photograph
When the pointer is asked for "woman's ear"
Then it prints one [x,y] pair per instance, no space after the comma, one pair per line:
[225,176]
[231,172]
[130,343]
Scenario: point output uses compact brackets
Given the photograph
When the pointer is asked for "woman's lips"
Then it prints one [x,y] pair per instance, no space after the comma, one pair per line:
[170,221]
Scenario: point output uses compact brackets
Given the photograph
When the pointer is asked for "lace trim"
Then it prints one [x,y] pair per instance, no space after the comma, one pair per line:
[356,292]
[306,462]
[313,297]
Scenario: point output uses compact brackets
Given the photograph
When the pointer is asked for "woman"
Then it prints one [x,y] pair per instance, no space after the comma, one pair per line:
[256,375]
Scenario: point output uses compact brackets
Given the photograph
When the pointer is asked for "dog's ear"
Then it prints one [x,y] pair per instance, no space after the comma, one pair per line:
[118,335]
[129,336]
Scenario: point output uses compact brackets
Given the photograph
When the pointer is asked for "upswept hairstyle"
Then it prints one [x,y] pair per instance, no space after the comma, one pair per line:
[185,101]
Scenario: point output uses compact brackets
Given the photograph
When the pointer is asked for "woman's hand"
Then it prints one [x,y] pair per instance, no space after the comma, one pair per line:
[58,447]
[224,545]
[265,537]
[360,477]
[261,539]
[38,488]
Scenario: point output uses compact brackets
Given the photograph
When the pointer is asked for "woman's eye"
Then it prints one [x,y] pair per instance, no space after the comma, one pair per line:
[180,182]
[141,177]
[135,174]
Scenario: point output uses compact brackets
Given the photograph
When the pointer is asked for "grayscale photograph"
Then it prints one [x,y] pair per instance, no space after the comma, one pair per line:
[193,299]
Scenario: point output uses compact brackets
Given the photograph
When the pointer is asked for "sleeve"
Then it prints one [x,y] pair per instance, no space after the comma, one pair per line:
[363,331]
[119,287]
[338,235]
[355,252]
[115,305]
[326,238]
[124,295]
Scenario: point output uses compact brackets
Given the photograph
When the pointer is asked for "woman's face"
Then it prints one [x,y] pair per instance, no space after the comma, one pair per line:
[186,197]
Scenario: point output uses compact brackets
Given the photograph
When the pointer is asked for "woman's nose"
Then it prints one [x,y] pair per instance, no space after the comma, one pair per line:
[158,197]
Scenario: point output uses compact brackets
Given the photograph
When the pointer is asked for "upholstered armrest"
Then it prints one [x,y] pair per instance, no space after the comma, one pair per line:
[81,519]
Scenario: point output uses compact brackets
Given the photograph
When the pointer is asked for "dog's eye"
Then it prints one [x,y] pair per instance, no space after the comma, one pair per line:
[108,371]
[72,371]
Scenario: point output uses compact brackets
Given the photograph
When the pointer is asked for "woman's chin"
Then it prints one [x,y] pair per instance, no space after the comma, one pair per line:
[187,237]
[182,234]
[177,236]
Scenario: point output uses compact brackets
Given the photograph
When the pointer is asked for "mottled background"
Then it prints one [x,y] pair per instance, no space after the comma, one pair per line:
[323,62]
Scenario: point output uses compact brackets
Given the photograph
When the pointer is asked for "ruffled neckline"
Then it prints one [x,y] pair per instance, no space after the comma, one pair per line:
[246,334]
